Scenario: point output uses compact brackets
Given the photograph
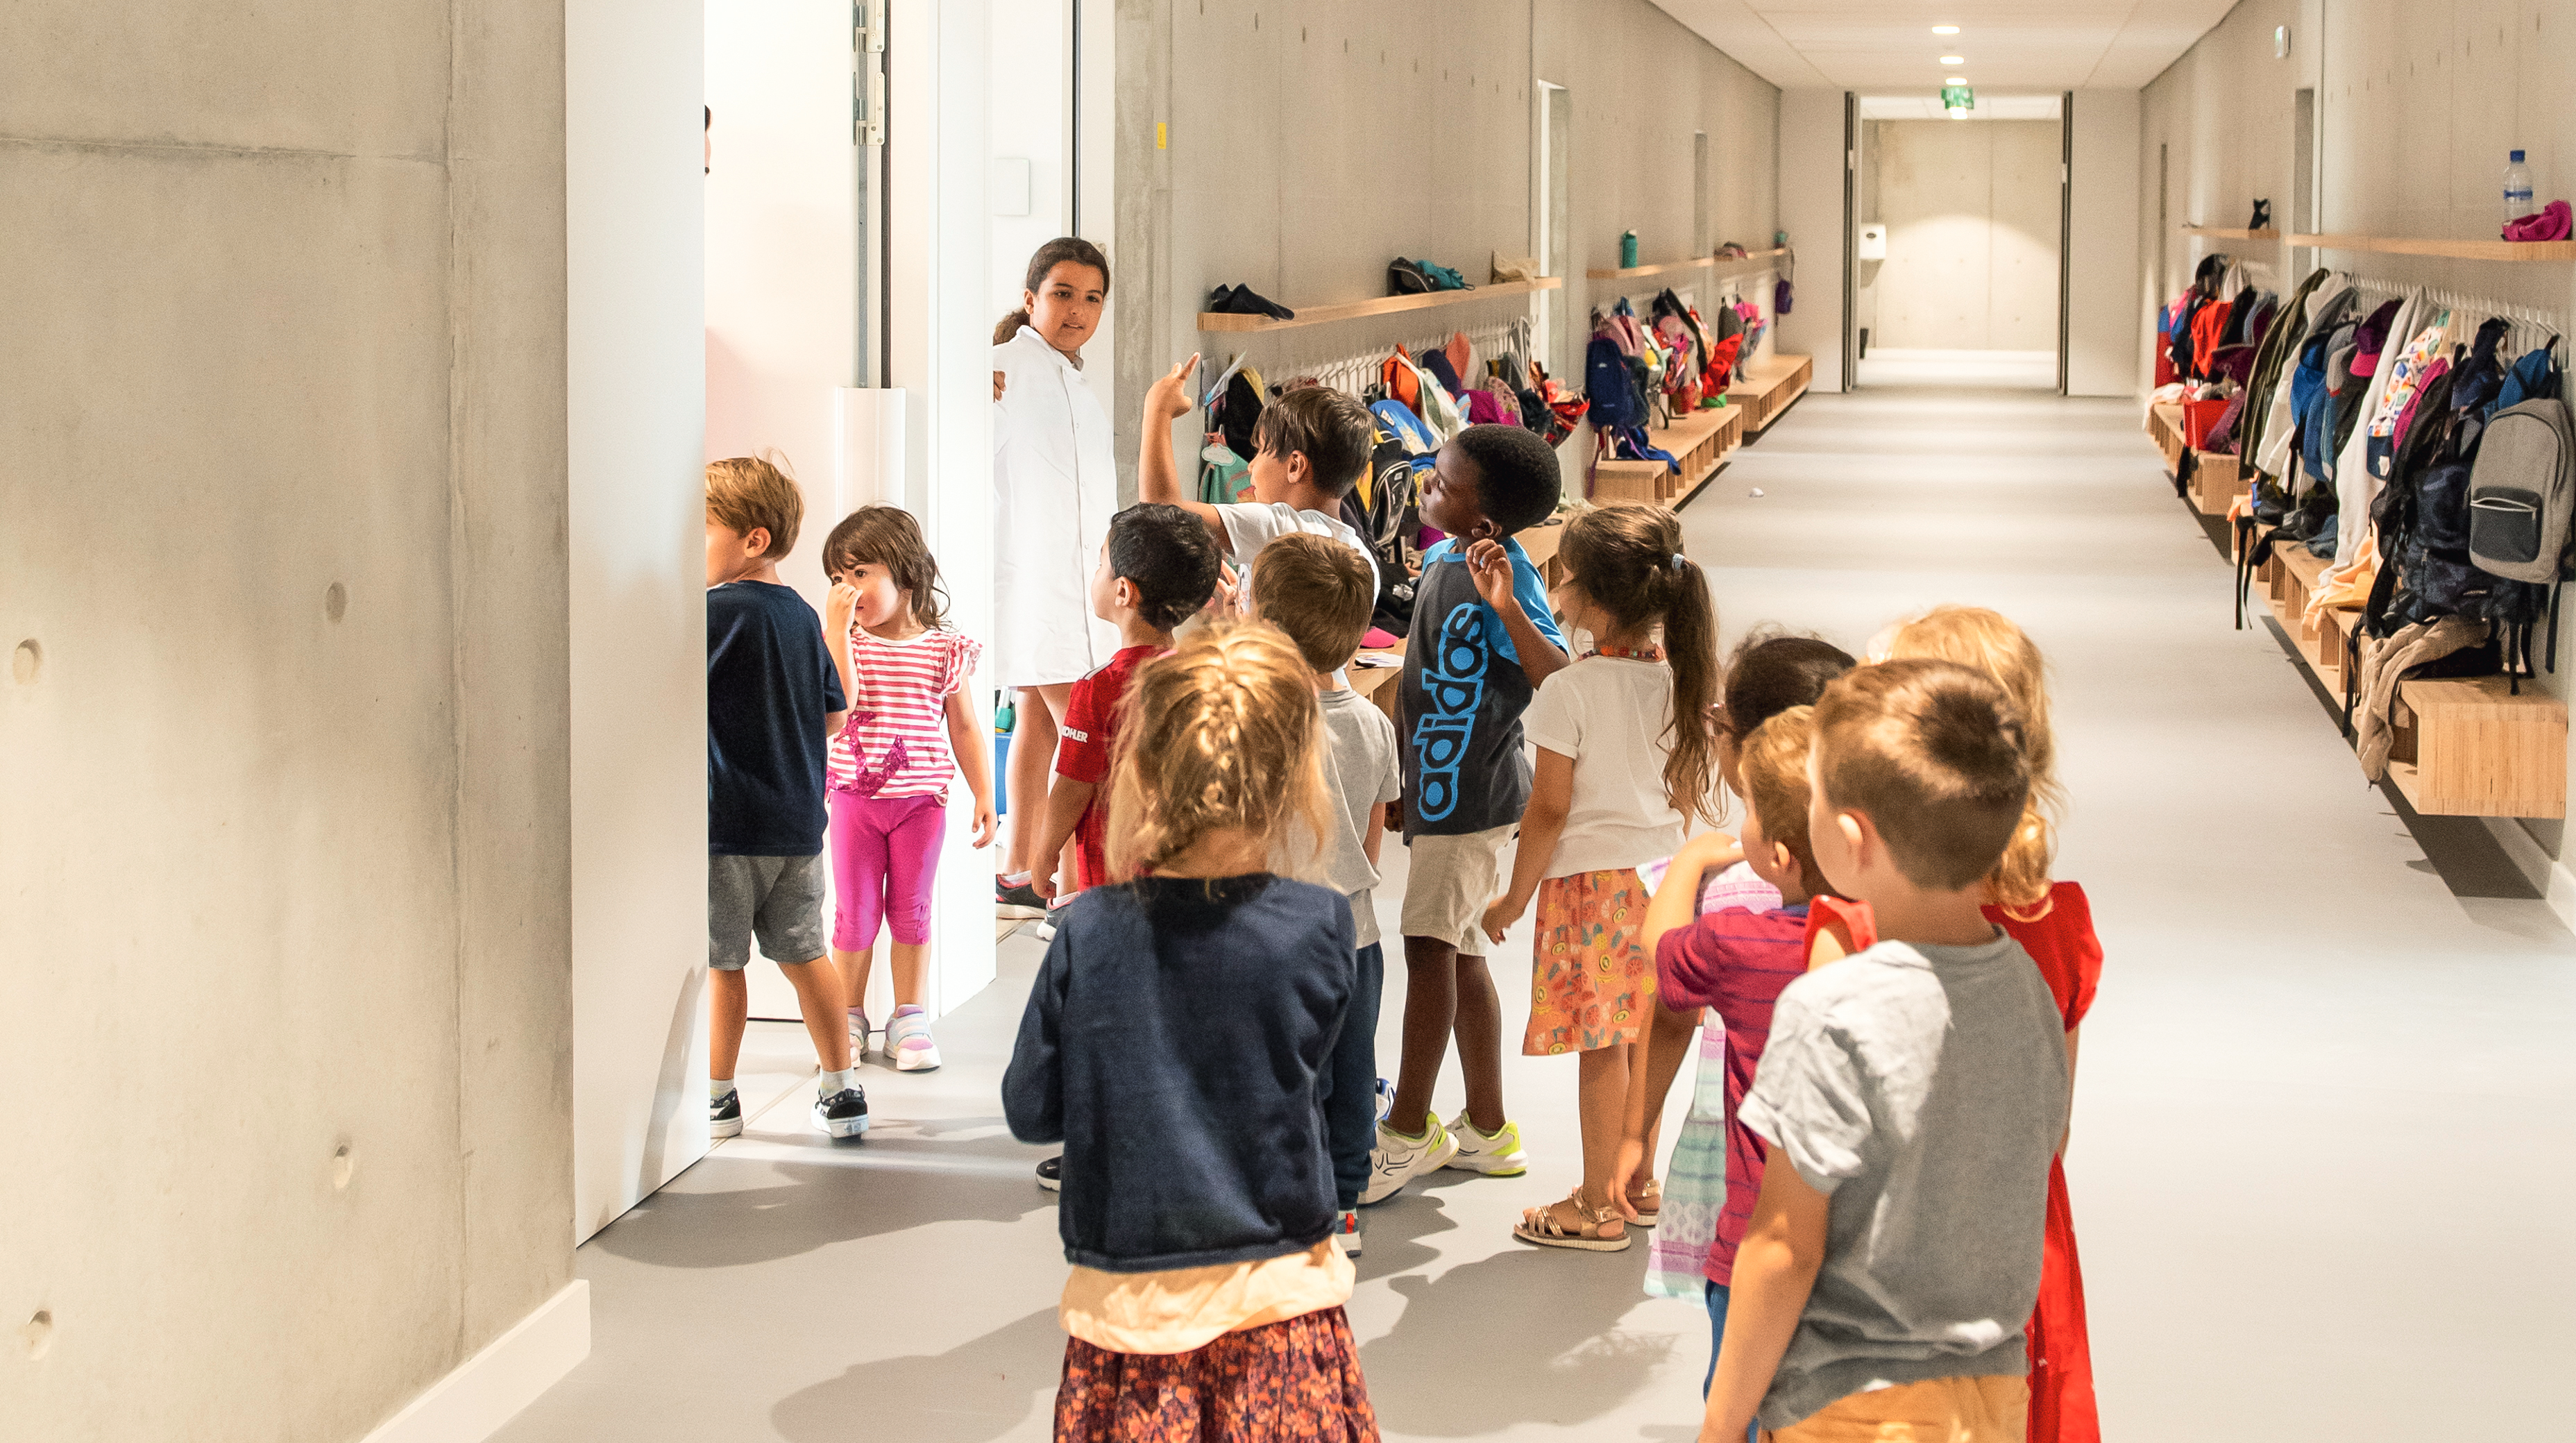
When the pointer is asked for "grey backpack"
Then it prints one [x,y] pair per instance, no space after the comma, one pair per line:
[2522,493]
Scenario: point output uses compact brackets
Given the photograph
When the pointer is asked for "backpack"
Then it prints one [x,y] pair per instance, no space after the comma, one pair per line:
[2522,493]
[1389,520]
[1611,383]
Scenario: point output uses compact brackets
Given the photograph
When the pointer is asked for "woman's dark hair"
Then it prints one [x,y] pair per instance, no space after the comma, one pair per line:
[887,536]
[1054,253]
[1628,560]
[1772,671]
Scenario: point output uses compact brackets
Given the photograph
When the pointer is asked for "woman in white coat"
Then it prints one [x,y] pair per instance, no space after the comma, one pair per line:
[1055,487]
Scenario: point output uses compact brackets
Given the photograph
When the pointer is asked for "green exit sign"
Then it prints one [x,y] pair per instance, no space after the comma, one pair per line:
[1958,97]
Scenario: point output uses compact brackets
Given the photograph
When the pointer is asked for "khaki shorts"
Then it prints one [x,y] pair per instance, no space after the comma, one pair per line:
[1938,1410]
[1450,882]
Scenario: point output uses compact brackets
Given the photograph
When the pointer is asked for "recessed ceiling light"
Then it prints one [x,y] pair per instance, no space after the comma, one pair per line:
[1954,80]
[1954,60]
[1945,29]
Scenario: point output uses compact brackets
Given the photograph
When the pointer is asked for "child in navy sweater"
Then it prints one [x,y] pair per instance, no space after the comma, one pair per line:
[1176,1043]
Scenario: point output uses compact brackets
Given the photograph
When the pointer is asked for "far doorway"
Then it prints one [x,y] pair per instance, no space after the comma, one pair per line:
[1958,243]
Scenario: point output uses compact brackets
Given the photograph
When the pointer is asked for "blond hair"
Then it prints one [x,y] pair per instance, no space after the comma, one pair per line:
[754,492]
[1318,590]
[1932,753]
[1987,641]
[1772,760]
[1221,734]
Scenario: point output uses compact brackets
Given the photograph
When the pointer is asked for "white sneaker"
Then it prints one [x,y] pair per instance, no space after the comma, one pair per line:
[1495,1154]
[1397,1159]
[860,1032]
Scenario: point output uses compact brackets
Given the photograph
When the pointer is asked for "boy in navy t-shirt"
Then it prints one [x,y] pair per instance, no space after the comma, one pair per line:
[773,701]
[1483,639]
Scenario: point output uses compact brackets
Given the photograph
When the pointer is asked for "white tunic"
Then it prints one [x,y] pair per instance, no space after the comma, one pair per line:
[1055,486]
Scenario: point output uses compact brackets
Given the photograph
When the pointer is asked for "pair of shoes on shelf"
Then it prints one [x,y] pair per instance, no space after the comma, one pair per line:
[1245,301]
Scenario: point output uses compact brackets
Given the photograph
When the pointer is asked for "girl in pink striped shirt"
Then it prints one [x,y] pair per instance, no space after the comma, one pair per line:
[912,727]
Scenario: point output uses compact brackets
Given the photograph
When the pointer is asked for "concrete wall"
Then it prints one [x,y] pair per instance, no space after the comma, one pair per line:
[2416,108]
[1811,210]
[1308,146]
[2102,321]
[285,753]
[1971,210]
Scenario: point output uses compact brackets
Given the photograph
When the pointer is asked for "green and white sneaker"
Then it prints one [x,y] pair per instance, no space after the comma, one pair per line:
[1398,1159]
[1495,1154]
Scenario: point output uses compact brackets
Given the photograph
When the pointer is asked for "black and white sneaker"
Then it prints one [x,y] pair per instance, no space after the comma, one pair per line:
[843,1114]
[1022,901]
[1051,1174]
[724,1115]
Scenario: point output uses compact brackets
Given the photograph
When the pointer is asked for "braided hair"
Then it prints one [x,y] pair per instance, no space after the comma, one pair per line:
[1221,734]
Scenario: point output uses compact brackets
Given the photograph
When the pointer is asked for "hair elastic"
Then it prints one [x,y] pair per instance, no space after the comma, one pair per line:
[1677,561]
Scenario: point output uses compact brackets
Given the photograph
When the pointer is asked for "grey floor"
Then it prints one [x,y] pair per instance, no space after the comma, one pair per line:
[2320,1161]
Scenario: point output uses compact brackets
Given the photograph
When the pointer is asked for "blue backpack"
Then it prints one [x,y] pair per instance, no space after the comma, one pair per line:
[1611,384]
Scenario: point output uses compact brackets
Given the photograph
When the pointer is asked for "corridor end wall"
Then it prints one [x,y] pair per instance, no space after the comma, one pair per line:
[286,759]
[2416,107]
[1304,152]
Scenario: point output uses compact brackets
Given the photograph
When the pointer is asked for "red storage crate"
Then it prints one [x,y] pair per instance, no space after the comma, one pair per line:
[2197,418]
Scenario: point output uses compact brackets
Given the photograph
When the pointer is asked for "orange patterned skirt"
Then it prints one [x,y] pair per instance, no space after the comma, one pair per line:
[1295,1381]
[1591,982]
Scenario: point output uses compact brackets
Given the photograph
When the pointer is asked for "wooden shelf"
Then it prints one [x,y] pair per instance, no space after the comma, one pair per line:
[1765,389]
[1624,272]
[2219,233]
[1748,262]
[2481,751]
[2458,250]
[1382,306]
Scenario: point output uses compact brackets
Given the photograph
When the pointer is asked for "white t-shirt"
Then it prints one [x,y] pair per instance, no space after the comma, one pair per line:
[1251,525]
[1610,715]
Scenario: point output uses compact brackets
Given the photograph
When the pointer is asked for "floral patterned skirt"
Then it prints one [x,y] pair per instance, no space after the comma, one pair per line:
[1591,983]
[1295,1381]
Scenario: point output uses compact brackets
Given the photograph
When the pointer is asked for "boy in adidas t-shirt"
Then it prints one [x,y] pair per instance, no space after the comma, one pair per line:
[1483,638]
[1310,447]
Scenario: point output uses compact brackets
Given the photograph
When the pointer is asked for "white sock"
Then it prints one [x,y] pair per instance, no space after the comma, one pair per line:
[719,1088]
[834,1084]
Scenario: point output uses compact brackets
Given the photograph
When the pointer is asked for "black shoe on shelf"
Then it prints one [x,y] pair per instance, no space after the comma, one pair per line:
[1051,1174]
[843,1114]
[1020,901]
[724,1115]
[1245,301]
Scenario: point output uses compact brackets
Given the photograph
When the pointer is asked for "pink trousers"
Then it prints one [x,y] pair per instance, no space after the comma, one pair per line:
[885,854]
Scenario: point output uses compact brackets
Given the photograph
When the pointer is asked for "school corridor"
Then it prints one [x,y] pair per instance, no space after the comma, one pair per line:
[2307,1130]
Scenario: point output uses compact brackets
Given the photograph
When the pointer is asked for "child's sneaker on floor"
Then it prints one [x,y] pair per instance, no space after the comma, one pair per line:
[724,1114]
[843,1113]
[1385,1098]
[1495,1154]
[1051,1174]
[908,1044]
[860,1032]
[1398,1159]
[1017,899]
[1350,1232]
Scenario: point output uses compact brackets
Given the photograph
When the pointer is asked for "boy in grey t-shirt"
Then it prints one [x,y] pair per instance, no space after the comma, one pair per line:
[1917,1089]
[1321,594]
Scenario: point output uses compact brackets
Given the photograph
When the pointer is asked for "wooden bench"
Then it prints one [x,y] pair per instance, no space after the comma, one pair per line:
[2164,427]
[2217,479]
[1700,442]
[1764,387]
[2477,750]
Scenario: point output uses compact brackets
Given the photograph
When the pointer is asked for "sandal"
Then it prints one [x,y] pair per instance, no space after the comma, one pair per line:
[1543,1227]
[1649,1204]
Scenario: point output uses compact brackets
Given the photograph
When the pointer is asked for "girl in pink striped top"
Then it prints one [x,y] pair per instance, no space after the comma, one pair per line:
[912,728]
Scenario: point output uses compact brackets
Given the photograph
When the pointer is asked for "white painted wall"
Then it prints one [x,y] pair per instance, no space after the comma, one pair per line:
[942,320]
[2102,318]
[1971,209]
[636,353]
[1811,210]
[1028,116]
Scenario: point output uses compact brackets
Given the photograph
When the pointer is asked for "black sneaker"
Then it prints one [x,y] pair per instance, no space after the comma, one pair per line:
[1021,901]
[724,1115]
[843,1114]
[1051,1174]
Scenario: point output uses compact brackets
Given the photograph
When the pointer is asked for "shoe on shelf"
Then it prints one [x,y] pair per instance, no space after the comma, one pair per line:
[724,1115]
[1021,901]
[843,1114]
[907,1041]
[1051,1174]
[1495,1154]
[860,1031]
[1350,1232]
[1398,1159]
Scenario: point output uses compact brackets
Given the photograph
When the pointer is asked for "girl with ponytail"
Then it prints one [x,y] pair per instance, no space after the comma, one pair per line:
[1055,486]
[1176,1042]
[1627,760]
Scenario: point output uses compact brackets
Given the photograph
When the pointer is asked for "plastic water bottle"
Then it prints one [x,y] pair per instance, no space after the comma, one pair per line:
[2517,190]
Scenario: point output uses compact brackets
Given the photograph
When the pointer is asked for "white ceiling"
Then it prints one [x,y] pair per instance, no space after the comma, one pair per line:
[1988,107]
[1886,46]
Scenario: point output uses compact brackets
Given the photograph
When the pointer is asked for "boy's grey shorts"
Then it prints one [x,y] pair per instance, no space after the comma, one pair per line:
[779,899]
